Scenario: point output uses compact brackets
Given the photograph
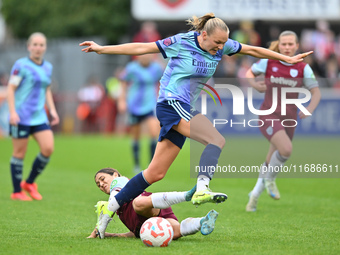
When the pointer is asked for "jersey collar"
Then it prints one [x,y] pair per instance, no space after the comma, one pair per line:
[196,41]
[285,63]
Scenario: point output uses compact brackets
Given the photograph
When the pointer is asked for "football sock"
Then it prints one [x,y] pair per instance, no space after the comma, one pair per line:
[130,191]
[190,226]
[153,144]
[275,163]
[202,182]
[135,150]
[209,159]
[259,186]
[38,166]
[16,172]
[164,200]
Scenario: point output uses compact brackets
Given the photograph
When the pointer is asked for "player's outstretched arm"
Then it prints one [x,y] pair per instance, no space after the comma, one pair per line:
[126,235]
[260,52]
[121,49]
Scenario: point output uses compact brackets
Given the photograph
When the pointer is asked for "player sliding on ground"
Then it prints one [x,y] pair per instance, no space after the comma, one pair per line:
[193,60]
[147,205]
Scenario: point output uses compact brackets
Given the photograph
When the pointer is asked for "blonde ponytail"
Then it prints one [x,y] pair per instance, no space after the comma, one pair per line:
[207,23]
[274,46]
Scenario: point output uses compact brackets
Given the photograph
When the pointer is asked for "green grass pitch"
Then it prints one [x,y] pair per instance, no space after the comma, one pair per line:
[305,221]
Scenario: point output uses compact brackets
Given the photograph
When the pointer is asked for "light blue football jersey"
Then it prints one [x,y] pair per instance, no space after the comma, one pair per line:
[118,183]
[143,86]
[30,95]
[189,65]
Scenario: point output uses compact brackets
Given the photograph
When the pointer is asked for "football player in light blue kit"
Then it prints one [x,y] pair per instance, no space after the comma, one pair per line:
[193,60]
[140,83]
[28,90]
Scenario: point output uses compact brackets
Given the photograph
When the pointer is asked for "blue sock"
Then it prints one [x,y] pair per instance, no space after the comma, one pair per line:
[38,166]
[153,144]
[209,158]
[16,172]
[132,189]
[135,150]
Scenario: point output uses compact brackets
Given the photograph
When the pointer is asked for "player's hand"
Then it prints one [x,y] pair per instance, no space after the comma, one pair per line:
[303,116]
[299,57]
[95,231]
[93,234]
[122,106]
[55,118]
[14,119]
[260,86]
[91,47]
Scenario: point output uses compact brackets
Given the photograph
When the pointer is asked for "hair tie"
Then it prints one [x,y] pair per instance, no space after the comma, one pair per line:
[212,17]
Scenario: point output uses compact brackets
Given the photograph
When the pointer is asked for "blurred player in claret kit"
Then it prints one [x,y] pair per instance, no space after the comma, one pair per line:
[279,74]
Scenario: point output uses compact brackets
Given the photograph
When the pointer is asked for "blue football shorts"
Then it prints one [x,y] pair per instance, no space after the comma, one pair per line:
[136,119]
[170,113]
[23,131]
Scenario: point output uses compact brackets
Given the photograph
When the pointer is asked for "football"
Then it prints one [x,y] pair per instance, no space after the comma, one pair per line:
[156,232]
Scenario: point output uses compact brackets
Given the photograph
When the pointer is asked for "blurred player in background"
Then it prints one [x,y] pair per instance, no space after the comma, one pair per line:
[193,60]
[147,205]
[28,90]
[147,33]
[280,138]
[91,98]
[114,89]
[140,81]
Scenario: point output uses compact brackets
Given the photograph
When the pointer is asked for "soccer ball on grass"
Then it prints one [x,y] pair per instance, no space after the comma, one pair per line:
[156,232]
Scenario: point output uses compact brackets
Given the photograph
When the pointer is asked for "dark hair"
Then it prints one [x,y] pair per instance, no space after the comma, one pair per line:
[207,23]
[107,170]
